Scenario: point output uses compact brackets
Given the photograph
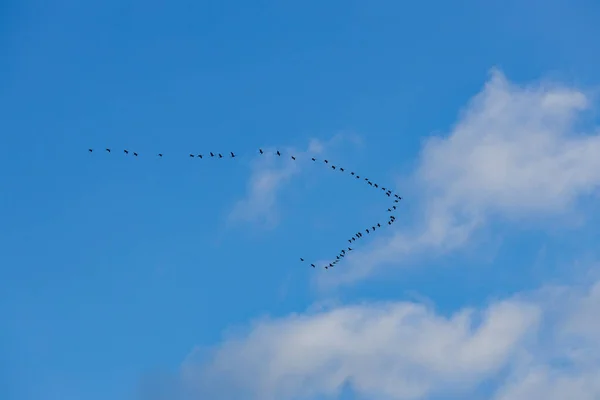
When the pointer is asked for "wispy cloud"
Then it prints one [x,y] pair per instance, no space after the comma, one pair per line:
[270,175]
[515,152]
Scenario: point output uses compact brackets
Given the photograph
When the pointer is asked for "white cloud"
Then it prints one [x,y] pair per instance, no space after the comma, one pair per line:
[539,345]
[269,176]
[515,152]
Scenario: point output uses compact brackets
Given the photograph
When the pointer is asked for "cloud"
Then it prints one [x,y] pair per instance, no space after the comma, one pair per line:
[542,344]
[391,350]
[271,174]
[515,153]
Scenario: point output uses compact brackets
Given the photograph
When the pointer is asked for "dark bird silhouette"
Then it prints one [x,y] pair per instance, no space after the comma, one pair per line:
[353,239]
[312,265]
[342,169]
[126,152]
[160,154]
[337,257]
[349,240]
[357,177]
[330,265]
[367,230]
[90,150]
[278,153]
[351,173]
[220,155]
[260,151]
[394,207]
[301,259]
[388,195]
[211,154]
[326,162]
[199,155]
[379,226]
[389,209]
[135,154]
[293,158]
[191,155]
[370,183]
[314,159]
[333,166]
[382,188]
[343,251]
[232,155]
[373,227]
[341,255]
[349,248]
[395,201]
[397,196]
[108,150]
[389,222]
[376,185]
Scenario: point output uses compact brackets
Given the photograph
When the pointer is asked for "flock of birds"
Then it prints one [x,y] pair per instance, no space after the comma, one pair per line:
[357,236]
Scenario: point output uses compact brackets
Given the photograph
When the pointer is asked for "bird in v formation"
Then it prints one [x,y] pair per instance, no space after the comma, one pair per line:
[355,237]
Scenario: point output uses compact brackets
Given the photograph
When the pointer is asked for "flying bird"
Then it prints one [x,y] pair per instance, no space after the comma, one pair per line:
[351,173]
[301,259]
[293,158]
[314,159]
[90,150]
[108,150]
[160,154]
[135,154]
[232,155]
[260,151]
[326,162]
[312,265]
[191,155]
[126,152]
[211,154]
[278,153]
[220,155]
[333,166]
[342,169]
[199,155]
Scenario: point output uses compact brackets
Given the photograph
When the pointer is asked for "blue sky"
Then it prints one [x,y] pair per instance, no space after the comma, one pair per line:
[155,278]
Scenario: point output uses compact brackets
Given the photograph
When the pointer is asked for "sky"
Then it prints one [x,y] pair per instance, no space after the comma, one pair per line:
[147,278]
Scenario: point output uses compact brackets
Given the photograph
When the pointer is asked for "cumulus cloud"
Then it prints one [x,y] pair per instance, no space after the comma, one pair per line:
[538,345]
[392,351]
[515,152]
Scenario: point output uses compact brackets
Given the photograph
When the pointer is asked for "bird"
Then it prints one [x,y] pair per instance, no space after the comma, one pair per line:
[314,159]
[326,162]
[351,173]
[378,225]
[389,222]
[376,186]
[388,195]
[349,240]
[293,158]
[382,188]
[312,265]
[90,150]
[333,166]
[337,257]
[370,183]
[342,169]
[343,251]
[389,209]
[199,155]
[211,154]
[301,259]
[357,177]
[135,154]
[220,155]
[394,207]
[373,227]
[367,230]
[353,239]
[260,151]
[108,150]
[232,155]
[191,155]
[160,154]
[278,153]
[341,255]
[395,201]
[126,152]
